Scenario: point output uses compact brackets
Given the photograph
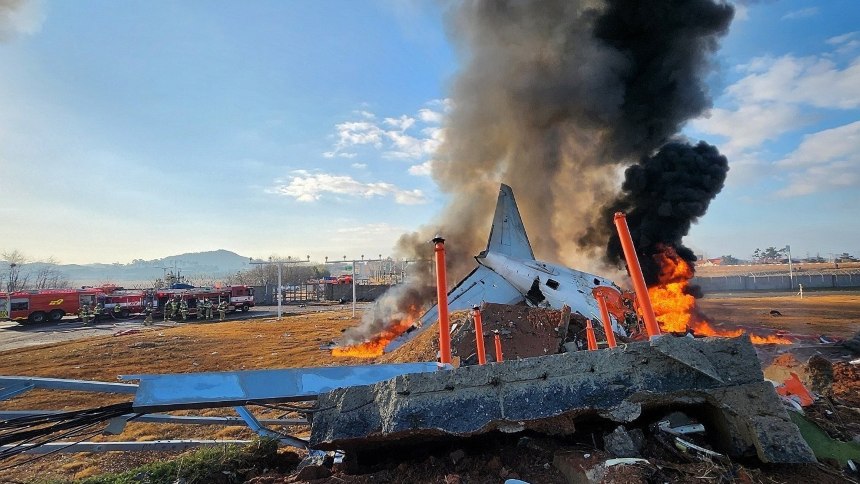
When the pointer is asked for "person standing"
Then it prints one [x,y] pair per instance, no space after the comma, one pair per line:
[176,308]
[222,309]
[85,314]
[183,309]
[147,311]
[167,309]
[97,312]
[117,310]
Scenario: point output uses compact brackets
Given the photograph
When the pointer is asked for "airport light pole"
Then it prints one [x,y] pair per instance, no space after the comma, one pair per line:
[353,261]
[9,292]
[279,263]
[790,269]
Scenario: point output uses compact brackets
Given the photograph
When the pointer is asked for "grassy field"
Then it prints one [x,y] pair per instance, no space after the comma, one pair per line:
[292,342]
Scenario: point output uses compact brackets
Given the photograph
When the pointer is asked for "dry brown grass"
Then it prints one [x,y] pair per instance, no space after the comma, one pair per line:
[292,342]
[236,345]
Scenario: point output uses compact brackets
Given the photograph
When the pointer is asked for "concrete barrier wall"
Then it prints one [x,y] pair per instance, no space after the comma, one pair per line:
[335,292]
[777,282]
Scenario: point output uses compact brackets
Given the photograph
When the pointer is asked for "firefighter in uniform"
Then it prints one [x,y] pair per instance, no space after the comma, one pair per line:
[207,305]
[147,311]
[97,312]
[117,311]
[168,308]
[176,308]
[222,309]
[85,314]
[183,308]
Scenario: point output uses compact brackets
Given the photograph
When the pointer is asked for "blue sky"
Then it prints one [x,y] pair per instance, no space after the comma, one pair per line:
[137,130]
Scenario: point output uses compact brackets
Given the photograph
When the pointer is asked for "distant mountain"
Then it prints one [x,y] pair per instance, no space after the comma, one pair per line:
[198,267]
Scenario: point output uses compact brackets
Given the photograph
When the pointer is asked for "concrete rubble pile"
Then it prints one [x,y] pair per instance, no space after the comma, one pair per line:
[719,380]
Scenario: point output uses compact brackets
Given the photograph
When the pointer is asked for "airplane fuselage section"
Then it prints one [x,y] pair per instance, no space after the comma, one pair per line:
[556,285]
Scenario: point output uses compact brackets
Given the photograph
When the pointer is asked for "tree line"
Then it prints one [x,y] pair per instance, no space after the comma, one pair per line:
[19,273]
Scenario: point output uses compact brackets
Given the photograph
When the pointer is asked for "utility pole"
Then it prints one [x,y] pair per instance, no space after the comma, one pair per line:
[9,292]
[279,263]
[354,261]
[790,270]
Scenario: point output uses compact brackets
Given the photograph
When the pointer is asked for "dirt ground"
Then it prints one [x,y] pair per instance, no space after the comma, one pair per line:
[295,341]
[814,315]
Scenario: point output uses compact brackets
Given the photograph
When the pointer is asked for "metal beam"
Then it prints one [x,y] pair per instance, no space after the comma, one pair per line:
[15,389]
[229,389]
[257,427]
[165,418]
[155,445]
[65,384]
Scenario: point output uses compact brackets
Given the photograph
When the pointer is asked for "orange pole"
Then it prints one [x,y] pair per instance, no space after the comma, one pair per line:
[635,269]
[607,323]
[442,295]
[479,336]
[589,335]
[499,348]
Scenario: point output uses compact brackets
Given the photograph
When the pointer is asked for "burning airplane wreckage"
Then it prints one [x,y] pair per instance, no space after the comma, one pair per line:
[358,410]
[555,98]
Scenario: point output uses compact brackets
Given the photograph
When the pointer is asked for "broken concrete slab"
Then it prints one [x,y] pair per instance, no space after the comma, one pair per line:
[550,393]
[623,443]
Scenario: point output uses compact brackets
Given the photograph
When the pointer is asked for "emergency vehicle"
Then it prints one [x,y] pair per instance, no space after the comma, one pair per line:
[238,298]
[49,304]
[38,306]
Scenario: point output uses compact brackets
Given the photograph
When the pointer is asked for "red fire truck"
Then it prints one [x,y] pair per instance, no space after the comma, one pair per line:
[49,304]
[52,304]
[238,298]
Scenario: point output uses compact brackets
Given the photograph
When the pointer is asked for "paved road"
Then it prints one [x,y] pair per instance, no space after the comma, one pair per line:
[14,335]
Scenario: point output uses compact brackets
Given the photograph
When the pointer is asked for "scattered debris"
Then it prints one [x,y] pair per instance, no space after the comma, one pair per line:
[793,388]
[551,394]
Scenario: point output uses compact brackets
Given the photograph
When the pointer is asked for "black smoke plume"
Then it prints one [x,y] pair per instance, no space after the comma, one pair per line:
[554,98]
[662,196]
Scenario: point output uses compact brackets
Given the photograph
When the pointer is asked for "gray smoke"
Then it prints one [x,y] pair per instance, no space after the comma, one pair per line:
[19,17]
[555,98]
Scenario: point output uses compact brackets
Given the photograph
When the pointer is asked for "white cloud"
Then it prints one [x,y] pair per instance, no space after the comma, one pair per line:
[778,95]
[402,123]
[802,13]
[750,125]
[815,81]
[845,43]
[359,166]
[430,116]
[828,159]
[423,169]
[308,187]
[402,137]
[841,39]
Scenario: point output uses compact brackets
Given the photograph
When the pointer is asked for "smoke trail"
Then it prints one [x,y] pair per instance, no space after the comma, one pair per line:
[19,17]
[403,303]
[662,196]
[554,99]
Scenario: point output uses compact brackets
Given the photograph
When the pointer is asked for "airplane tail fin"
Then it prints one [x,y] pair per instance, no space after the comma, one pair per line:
[508,235]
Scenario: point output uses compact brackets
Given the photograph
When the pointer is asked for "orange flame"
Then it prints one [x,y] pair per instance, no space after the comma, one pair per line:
[374,346]
[676,310]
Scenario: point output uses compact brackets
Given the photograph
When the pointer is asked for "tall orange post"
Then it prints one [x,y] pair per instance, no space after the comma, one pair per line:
[635,269]
[607,323]
[442,295]
[499,348]
[479,335]
[589,336]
